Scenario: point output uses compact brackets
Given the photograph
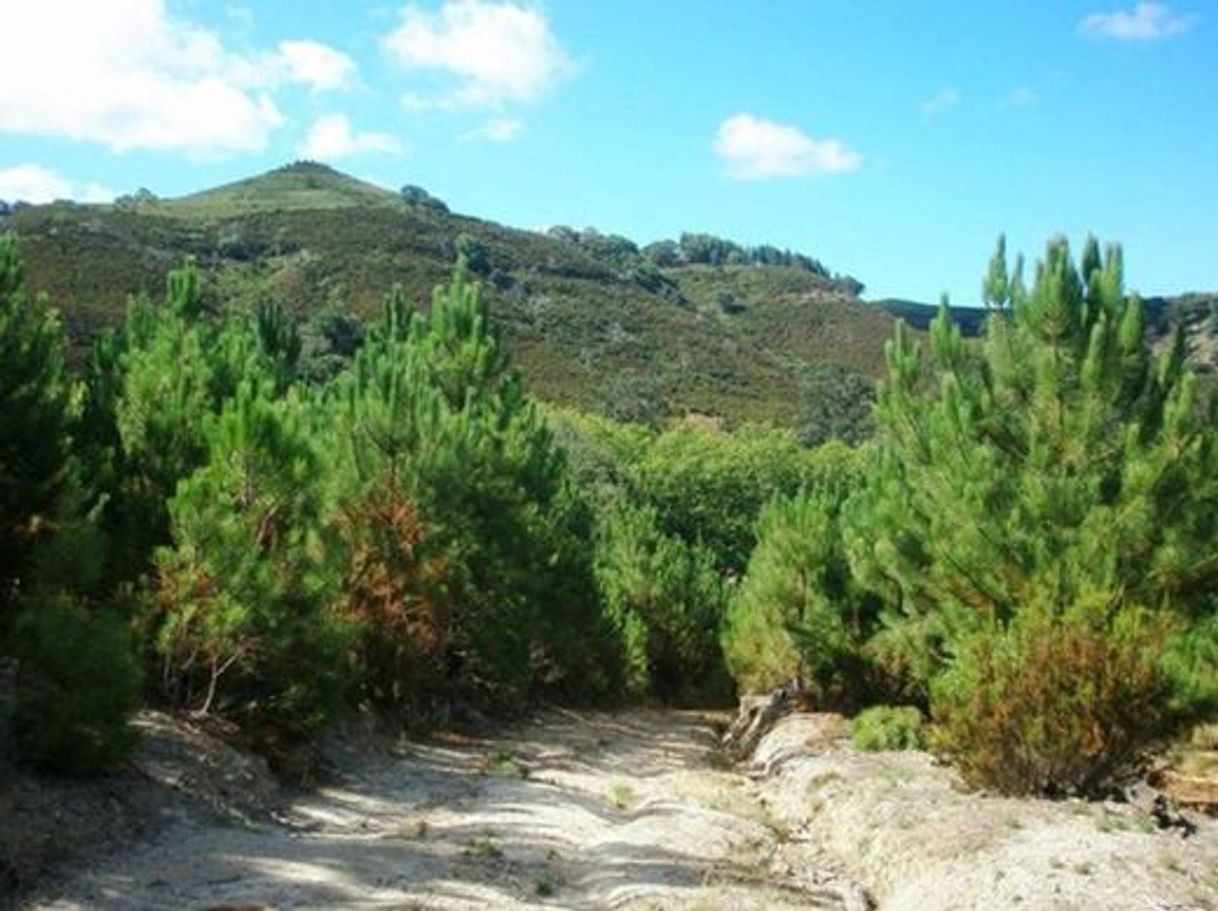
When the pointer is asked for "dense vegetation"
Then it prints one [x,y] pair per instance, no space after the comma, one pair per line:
[284,518]
[245,513]
[1031,557]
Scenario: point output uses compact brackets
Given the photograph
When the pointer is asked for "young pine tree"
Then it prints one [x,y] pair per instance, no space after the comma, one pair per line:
[244,620]
[77,680]
[150,389]
[1044,507]
[492,585]
[798,616]
[666,598]
[35,422]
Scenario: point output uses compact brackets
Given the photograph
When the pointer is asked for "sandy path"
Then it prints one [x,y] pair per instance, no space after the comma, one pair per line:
[575,811]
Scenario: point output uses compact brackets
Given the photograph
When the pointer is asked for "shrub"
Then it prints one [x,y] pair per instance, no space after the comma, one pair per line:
[79,682]
[1061,704]
[888,727]
[417,196]
[709,485]
[474,252]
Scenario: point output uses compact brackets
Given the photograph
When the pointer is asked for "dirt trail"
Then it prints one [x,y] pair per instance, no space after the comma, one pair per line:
[633,810]
[575,811]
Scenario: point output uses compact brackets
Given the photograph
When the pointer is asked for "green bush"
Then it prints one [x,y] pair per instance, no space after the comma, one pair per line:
[888,727]
[708,485]
[1058,704]
[474,252]
[79,682]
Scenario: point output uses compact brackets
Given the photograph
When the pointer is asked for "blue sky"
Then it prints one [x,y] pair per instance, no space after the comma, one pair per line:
[893,141]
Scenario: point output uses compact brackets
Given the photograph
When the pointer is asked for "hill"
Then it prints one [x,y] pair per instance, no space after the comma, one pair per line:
[588,325]
[696,326]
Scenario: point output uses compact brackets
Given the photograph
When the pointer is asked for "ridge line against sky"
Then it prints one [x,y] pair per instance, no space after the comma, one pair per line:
[892,142]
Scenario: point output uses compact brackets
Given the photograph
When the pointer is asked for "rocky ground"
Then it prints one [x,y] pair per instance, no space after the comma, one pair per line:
[634,810]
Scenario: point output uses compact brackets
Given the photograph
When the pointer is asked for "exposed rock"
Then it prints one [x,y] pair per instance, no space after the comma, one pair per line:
[754,719]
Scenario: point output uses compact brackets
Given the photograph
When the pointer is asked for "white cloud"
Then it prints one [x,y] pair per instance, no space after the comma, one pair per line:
[489,54]
[497,129]
[941,102]
[35,184]
[331,138]
[317,65]
[1145,22]
[129,75]
[751,149]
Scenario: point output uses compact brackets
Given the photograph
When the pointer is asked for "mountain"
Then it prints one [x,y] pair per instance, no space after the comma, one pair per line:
[591,320]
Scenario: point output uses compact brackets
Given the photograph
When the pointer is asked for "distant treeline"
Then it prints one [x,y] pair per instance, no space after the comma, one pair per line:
[694,249]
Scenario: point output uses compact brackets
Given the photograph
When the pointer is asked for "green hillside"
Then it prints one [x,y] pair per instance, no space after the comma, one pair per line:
[587,326]
[592,321]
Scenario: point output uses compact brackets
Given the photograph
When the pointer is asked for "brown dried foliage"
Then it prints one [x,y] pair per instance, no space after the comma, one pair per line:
[396,589]
[1064,705]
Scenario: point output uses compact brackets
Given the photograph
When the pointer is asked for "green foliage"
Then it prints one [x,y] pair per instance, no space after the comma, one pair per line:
[150,391]
[663,253]
[443,469]
[709,485]
[244,595]
[79,682]
[689,495]
[1056,471]
[475,253]
[888,727]
[77,679]
[35,419]
[666,599]
[328,342]
[839,401]
[417,196]
[798,615]
[601,453]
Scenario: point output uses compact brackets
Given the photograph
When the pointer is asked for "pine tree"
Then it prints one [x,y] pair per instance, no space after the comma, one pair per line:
[78,679]
[1056,481]
[432,422]
[798,616]
[666,599]
[34,429]
[149,389]
[245,594]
